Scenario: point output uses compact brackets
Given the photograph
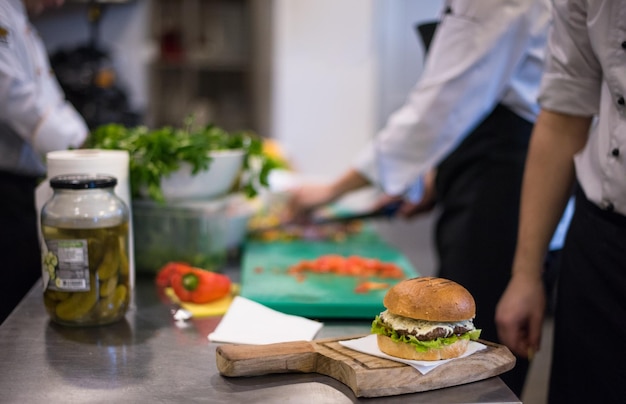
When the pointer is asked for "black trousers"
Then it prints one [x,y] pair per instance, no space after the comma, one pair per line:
[19,245]
[590,314]
[478,190]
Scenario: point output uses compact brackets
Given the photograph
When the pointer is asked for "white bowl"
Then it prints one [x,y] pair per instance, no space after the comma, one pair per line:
[211,183]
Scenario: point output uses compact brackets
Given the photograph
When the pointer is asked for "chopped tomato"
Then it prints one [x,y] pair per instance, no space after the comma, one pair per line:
[367,286]
[348,266]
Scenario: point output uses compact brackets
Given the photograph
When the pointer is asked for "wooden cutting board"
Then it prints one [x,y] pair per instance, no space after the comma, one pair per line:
[366,375]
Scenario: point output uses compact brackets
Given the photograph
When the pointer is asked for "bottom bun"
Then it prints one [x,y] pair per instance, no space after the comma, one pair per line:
[407,351]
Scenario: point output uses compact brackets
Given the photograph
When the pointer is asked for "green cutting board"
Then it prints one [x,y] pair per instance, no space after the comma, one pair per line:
[264,278]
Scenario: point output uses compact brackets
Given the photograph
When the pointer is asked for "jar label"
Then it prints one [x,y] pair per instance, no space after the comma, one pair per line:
[67,264]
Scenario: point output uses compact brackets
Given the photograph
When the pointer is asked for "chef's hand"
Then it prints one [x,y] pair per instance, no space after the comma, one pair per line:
[428,201]
[410,209]
[520,312]
[305,199]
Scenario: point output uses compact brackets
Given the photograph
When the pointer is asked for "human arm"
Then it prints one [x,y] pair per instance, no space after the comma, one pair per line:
[32,103]
[425,202]
[304,199]
[483,53]
[548,179]
[476,52]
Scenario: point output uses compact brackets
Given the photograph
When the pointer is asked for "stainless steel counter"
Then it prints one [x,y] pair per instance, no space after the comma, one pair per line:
[146,358]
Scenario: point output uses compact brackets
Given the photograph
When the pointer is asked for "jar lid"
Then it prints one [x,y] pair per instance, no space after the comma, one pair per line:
[82,181]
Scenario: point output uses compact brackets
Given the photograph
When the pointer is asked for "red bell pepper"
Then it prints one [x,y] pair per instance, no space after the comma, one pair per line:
[163,278]
[198,285]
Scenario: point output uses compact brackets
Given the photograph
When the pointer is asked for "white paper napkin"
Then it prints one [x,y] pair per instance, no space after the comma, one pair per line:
[369,346]
[248,322]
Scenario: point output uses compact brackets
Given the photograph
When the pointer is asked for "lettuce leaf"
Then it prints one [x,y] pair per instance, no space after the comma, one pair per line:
[378,327]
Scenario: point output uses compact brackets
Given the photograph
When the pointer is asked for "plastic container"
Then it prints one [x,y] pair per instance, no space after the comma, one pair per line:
[195,232]
[85,251]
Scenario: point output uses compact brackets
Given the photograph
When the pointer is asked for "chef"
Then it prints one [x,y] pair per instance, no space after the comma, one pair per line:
[580,140]
[35,118]
[465,129]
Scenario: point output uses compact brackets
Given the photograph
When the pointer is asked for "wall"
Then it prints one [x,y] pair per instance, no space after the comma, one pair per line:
[340,68]
[324,81]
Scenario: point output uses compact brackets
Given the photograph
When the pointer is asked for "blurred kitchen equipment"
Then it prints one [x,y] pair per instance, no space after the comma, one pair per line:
[187,231]
[88,78]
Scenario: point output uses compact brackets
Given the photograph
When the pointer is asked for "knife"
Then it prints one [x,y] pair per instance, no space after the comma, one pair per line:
[388,210]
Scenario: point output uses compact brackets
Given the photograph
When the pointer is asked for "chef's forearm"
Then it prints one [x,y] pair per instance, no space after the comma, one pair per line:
[352,180]
[548,179]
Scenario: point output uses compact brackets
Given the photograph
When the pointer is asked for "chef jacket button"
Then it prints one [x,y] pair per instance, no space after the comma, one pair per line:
[624,45]
[615,152]
[608,206]
[621,101]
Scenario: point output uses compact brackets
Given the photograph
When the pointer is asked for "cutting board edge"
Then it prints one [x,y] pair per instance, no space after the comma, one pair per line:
[321,312]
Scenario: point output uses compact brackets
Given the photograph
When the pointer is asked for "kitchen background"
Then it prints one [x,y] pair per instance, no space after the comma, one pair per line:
[319,76]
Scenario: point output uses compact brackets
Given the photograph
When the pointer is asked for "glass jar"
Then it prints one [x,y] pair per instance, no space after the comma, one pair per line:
[85,251]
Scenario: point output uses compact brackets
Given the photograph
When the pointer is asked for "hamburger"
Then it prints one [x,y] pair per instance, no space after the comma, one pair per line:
[426,319]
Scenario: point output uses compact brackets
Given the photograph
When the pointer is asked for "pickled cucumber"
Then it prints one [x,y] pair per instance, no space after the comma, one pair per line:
[96,251]
[79,304]
[110,264]
[124,265]
[107,286]
[106,262]
[109,307]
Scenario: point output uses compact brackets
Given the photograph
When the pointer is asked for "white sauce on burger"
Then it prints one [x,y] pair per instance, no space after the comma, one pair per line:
[421,327]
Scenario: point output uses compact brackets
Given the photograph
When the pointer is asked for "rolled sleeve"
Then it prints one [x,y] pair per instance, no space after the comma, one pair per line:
[59,129]
[569,95]
[572,80]
[365,163]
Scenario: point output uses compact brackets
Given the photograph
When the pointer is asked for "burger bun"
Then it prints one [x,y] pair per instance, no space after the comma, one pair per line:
[430,299]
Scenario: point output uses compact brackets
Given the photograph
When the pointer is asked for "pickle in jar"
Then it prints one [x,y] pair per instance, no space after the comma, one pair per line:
[110,263]
[99,266]
[78,305]
[112,306]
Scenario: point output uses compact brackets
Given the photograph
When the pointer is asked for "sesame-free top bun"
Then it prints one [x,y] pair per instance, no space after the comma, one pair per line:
[430,299]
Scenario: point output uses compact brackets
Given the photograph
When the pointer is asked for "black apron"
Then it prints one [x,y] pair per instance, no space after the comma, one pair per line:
[590,318]
[19,243]
[478,189]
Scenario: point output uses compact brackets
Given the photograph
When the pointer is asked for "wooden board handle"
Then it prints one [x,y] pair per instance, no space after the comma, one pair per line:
[254,360]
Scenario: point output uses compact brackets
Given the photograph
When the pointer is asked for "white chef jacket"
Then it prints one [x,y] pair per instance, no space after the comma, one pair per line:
[35,118]
[586,76]
[483,53]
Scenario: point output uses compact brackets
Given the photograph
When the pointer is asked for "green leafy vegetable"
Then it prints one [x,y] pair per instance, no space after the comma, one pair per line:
[378,327]
[156,153]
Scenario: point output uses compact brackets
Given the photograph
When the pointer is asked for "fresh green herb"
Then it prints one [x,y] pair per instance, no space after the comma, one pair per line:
[156,153]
